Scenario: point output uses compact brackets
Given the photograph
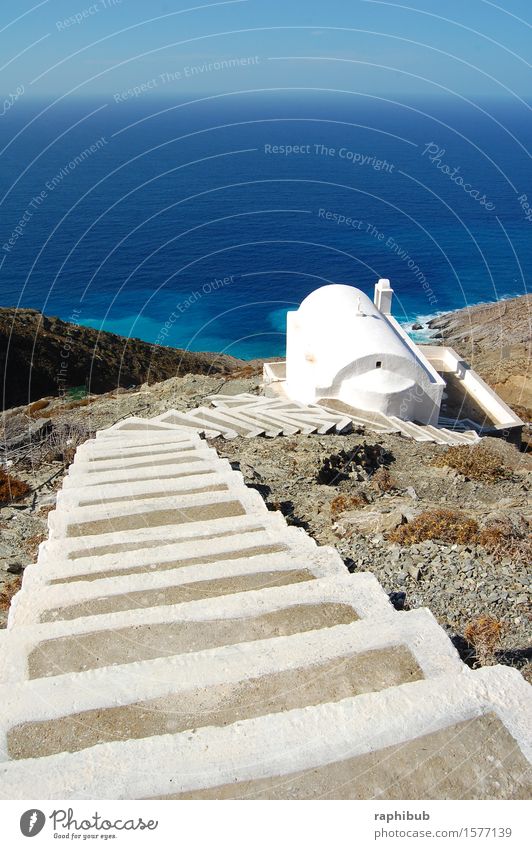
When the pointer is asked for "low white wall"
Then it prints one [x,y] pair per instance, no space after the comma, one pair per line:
[447,360]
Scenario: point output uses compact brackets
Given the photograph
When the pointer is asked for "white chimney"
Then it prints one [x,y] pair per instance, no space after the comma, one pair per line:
[383,296]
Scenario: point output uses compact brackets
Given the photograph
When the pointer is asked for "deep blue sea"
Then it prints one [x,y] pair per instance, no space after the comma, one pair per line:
[198,225]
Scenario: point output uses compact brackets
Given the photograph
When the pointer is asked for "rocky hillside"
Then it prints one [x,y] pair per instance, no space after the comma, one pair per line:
[466,562]
[42,356]
[452,536]
[495,339]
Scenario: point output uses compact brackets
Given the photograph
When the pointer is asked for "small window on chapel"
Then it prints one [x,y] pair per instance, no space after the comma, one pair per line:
[378,364]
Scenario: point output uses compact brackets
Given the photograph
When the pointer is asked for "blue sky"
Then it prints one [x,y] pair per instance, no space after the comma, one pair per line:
[419,48]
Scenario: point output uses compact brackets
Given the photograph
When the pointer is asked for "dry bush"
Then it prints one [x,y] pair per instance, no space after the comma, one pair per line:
[8,591]
[31,545]
[477,462]
[443,525]
[245,371]
[505,539]
[11,489]
[383,481]
[37,406]
[62,442]
[364,457]
[484,633]
[347,502]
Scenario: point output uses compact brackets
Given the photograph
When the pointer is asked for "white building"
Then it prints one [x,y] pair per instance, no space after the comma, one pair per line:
[340,345]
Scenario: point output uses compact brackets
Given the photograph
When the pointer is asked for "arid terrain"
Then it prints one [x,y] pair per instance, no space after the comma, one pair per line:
[448,532]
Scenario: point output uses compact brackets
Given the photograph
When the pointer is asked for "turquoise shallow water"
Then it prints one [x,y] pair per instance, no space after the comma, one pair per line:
[200,226]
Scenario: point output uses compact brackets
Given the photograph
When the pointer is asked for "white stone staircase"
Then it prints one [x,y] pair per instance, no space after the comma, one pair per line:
[175,639]
[259,415]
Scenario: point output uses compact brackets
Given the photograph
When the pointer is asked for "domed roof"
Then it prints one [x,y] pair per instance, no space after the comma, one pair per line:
[343,324]
[336,300]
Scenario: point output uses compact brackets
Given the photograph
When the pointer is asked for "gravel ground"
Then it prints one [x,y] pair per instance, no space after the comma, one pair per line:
[457,582]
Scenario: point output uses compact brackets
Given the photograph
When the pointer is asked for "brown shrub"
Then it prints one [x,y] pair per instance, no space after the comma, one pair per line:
[31,545]
[246,371]
[503,538]
[477,462]
[8,591]
[484,633]
[347,502]
[444,525]
[11,489]
[37,406]
[63,441]
[383,481]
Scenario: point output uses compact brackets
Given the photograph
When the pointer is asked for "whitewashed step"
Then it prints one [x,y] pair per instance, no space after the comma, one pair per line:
[402,742]
[119,542]
[200,462]
[411,430]
[168,582]
[110,493]
[438,435]
[109,450]
[245,425]
[91,642]
[152,512]
[174,552]
[228,422]
[71,712]
[135,426]
[376,422]
[146,459]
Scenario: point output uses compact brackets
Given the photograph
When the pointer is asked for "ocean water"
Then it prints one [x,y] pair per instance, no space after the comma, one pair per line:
[200,224]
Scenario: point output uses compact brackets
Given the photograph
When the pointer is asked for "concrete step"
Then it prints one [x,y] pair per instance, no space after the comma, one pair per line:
[411,430]
[148,460]
[168,580]
[123,637]
[459,438]
[111,493]
[108,449]
[229,423]
[376,422]
[153,512]
[401,742]
[80,550]
[206,428]
[170,553]
[135,426]
[219,686]
[439,436]
[261,423]
[200,462]
[250,418]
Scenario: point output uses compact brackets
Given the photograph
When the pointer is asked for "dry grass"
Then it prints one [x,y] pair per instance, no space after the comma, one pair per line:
[484,634]
[504,539]
[383,481]
[11,489]
[478,462]
[342,503]
[443,525]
